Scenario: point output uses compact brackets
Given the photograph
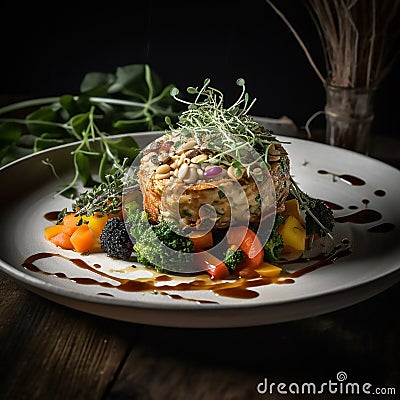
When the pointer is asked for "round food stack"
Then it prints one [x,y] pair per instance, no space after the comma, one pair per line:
[184,181]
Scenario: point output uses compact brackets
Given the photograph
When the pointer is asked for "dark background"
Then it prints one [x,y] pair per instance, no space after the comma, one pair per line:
[46,51]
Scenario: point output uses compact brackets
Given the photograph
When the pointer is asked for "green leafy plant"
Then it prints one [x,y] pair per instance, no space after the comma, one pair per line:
[132,99]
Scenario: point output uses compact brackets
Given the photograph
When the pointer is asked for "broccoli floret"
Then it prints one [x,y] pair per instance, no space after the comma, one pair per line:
[170,236]
[232,258]
[137,221]
[279,220]
[150,242]
[323,214]
[273,247]
[274,244]
[115,240]
[144,250]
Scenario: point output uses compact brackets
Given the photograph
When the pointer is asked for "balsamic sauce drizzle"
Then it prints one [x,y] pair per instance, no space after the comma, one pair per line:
[360,217]
[364,216]
[350,179]
[239,288]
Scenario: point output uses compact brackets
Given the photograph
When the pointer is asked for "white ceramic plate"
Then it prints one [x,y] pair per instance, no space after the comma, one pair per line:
[28,189]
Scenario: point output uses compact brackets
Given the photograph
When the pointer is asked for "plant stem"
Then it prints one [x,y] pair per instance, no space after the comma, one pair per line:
[27,103]
[302,45]
[95,100]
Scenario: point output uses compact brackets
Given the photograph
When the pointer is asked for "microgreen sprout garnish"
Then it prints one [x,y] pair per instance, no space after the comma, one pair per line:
[226,132]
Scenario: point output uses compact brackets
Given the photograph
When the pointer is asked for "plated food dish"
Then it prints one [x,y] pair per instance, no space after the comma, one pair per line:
[213,194]
[191,246]
[372,266]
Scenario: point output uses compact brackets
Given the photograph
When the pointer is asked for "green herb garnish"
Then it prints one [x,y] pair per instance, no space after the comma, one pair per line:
[104,198]
[226,132]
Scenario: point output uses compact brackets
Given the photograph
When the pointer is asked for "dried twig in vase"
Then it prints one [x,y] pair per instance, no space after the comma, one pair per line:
[359,39]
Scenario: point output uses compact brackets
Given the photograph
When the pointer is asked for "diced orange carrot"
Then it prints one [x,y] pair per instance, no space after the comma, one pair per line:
[201,240]
[62,240]
[52,230]
[82,239]
[69,223]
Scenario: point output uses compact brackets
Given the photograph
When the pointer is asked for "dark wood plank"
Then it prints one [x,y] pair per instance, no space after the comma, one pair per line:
[178,364]
[48,351]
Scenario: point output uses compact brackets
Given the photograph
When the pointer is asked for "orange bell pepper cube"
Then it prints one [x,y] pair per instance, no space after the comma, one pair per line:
[62,240]
[82,239]
[69,223]
[52,230]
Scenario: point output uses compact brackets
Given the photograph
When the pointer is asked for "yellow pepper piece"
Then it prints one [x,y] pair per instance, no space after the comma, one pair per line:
[293,233]
[268,270]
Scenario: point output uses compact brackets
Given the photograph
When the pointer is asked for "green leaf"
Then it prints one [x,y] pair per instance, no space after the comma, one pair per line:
[191,90]
[83,165]
[48,135]
[10,132]
[168,121]
[126,147]
[83,103]
[72,105]
[130,80]
[71,193]
[79,122]
[45,119]
[237,164]
[67,101]
[12,153]
[96,83]
[175,91]
[127,125]
[27,140]
[41,144]
[3,151]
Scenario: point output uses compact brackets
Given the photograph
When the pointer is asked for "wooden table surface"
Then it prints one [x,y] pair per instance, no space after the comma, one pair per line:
[49,351]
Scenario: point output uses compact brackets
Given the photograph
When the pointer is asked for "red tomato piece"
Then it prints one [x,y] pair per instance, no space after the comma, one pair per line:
[246,240]
[211,264]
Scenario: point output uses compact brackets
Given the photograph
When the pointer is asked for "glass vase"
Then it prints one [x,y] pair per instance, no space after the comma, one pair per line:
[349,115]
